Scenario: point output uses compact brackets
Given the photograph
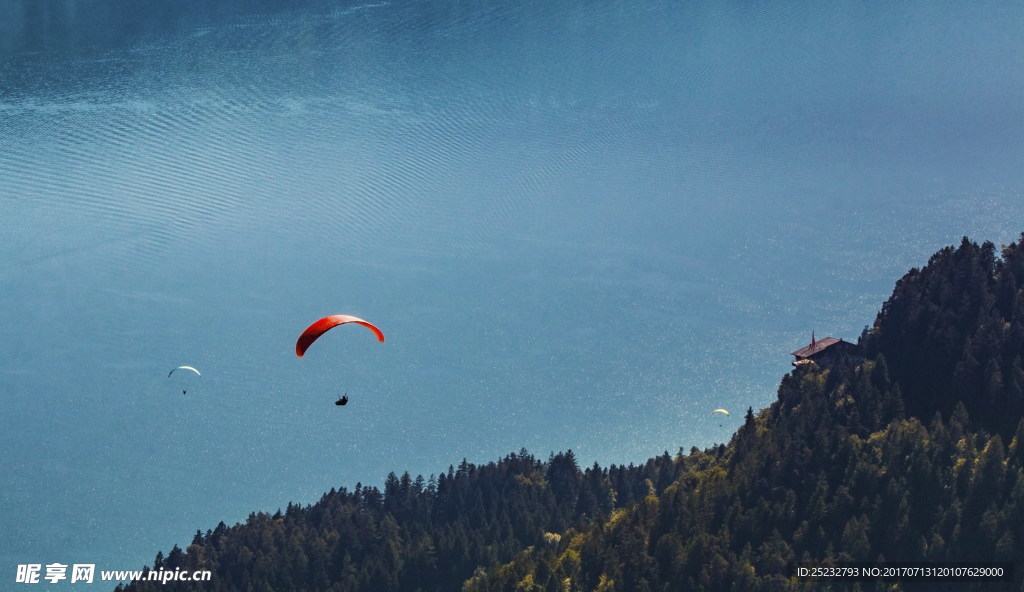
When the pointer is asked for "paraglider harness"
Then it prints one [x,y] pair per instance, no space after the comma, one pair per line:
[343,400]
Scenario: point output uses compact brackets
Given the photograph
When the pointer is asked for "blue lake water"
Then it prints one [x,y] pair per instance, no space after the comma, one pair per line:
[580,225]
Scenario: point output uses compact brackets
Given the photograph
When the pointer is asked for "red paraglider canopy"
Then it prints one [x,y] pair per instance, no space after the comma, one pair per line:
[325,324]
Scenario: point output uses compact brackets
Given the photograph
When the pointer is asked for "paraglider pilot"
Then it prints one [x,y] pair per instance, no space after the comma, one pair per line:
[343,400]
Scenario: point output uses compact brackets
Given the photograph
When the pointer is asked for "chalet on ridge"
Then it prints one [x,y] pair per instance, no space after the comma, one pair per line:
[825,351]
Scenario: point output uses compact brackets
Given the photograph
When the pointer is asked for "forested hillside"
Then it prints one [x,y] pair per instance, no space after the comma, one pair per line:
[954,332]
[416,534]
[914,454]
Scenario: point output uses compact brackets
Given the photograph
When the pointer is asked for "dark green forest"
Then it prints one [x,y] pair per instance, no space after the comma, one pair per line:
[911,452]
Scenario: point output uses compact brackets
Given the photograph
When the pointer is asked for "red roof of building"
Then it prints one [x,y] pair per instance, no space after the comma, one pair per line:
[816,347]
